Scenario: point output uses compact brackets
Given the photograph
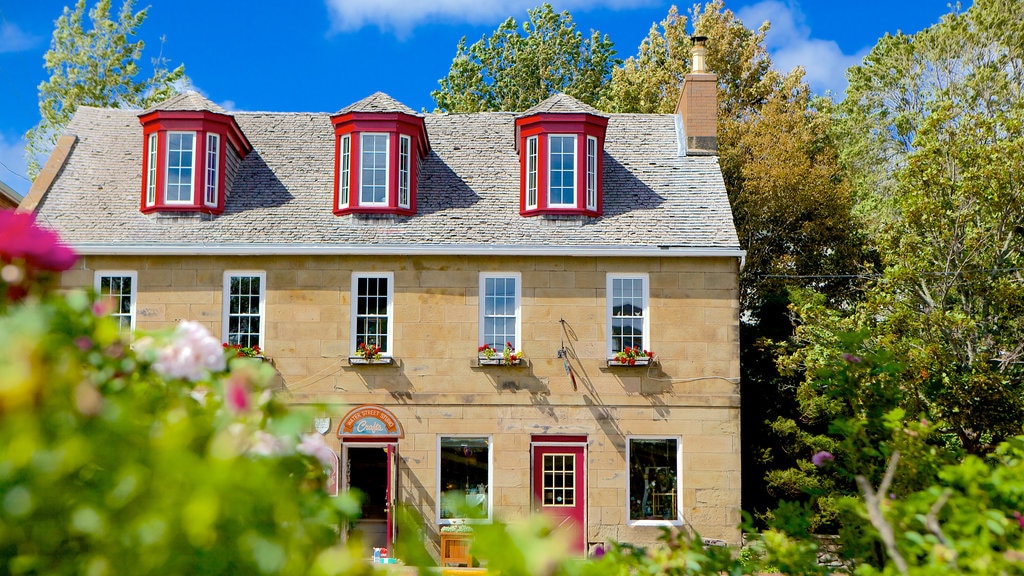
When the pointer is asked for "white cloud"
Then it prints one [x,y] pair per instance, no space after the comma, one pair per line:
[790,44]
[12,39]
[401,16]
[12,164]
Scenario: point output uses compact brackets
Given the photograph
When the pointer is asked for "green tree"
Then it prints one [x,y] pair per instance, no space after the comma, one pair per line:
[514,70]
[94,67]
[942,110]
[791,202]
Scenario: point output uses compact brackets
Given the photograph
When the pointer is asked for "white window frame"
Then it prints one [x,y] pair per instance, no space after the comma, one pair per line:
[592,173]
[98,277]
[575,172]
[192,168]
[646,293]
[388,350]
[518,277]
[226,302]
[531,172]
[387,166]
[404,170]
[212,169]
[344,170]
[678,521]
[490,479]
[151,157]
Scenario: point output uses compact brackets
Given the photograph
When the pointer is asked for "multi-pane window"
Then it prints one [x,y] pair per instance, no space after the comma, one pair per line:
[117,290]
[464,476]
[371,310]
[562,170]
[404,167]
[531,172]
[499,310]
[244,304]
[591,173]
[559,477]
[344,170]
[373,165]
[180,167]
[628,318]
[151,171]
[212,168]
[653,479]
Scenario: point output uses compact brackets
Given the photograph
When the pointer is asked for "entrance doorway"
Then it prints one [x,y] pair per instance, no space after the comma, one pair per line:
[371,469]
[560,486]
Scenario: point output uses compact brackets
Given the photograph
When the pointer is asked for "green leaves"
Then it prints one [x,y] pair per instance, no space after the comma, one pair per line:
[515,69]
[94,67]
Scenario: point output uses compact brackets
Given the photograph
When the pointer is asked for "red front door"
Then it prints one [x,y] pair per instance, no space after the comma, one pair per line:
[560,488]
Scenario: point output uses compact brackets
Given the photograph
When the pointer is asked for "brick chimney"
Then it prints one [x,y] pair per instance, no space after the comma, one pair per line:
[698,103]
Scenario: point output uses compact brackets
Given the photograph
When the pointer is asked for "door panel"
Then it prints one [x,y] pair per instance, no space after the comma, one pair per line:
[559,489]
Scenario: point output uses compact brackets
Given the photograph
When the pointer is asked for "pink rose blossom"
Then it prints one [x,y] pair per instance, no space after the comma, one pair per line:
[22,239]
[191,352]
[313,444]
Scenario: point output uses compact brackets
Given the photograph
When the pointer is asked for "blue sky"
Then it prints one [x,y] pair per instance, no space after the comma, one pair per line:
[321,55]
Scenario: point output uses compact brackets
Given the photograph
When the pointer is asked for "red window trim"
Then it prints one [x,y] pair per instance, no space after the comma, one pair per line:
[201,123]
[395,125]
[542,125]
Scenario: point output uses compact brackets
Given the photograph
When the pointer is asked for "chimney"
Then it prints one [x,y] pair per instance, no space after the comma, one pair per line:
[698,103]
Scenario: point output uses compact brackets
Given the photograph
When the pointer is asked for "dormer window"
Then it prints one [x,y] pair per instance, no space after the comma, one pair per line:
[560,146]
[184,153]
[378,144]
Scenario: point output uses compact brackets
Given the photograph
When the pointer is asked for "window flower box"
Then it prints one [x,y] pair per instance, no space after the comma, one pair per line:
[487,356]
[363,361]
[369,354]
[632,357]
[498,361]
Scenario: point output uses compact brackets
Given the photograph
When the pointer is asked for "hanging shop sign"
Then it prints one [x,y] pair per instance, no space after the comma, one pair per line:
[369,421]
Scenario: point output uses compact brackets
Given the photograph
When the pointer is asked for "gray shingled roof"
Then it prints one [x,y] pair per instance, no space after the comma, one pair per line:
[560,102]
[189,100]
[377,102]
[468,190]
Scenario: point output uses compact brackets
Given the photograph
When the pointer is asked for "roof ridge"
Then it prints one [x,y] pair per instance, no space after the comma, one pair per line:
[378,102]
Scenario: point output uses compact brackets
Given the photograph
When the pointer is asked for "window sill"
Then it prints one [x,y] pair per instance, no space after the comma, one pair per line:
[360,361]
[613,363]
[498,361]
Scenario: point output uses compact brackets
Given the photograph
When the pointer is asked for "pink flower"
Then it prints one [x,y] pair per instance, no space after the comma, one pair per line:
[236,395]
[1019,517]
[22,239]
[820,458]
[851,358]
[84,343]
[313,444]
[191,352]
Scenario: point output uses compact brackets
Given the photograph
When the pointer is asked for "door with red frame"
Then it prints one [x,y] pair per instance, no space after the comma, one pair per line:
[560,488]
[372,469]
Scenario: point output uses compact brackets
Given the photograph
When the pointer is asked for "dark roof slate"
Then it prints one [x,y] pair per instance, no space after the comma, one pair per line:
[468,190]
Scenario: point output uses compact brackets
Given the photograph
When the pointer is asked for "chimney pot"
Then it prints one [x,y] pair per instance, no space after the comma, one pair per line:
[699,52]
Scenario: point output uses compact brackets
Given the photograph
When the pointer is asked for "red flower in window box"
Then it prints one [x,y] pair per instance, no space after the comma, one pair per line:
[244,351]
[633,355]
[368,353]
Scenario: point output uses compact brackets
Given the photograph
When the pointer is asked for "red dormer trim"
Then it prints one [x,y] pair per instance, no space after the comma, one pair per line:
[534,143]
[355,127]
[200,124]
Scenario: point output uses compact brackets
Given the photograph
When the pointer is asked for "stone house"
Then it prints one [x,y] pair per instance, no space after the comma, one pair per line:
[470,295]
